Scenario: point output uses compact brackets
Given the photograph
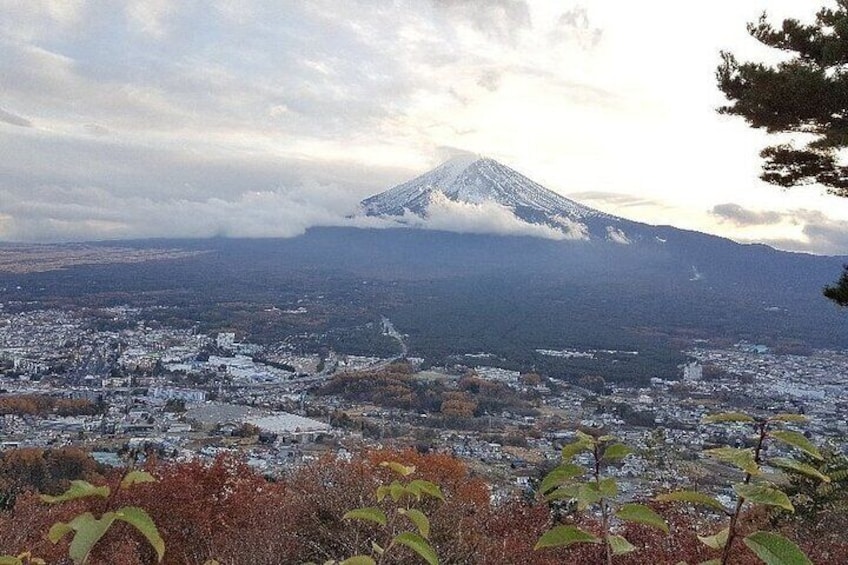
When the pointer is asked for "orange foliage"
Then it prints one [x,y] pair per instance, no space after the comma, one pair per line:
[458,405]
[224,510]
[40,405]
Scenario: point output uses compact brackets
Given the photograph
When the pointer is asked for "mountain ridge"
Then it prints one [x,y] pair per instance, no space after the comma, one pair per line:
[484,182]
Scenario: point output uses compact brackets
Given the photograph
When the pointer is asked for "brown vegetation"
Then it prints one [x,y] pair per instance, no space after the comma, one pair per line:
[226,511]
[41,405]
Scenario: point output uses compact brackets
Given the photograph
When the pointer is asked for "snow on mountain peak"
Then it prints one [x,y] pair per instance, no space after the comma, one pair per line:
[440,199]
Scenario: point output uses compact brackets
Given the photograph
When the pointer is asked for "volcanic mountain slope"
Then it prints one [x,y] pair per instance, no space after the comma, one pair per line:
[482,185]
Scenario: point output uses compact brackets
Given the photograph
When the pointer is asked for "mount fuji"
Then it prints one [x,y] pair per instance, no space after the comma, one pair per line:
[447,258]
[481,195]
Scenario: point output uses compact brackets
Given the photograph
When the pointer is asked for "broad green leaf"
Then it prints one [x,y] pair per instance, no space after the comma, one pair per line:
[420,486]
[798,440]
[399,468]
[566,492]
[419,545]
[616,452]
[798,467]
[740,457]
[58,531]
[359,560]
[88,531]
[397,491]
[717,541]
[607,488]
[78,489]
[141,521]
[136,477]
[775,549]
[10,560]
[620,545]
[560,475]
[382,492]
[587,495]
[377,548]
[583,436]
[419,519]
[725,417]
[641,514]
[370,514]
[572,449]
[796,418]
[692,497]
[563,536]
[762,494]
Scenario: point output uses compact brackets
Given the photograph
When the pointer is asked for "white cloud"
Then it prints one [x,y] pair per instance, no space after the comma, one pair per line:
[615,235]
[199,106]
[486,217]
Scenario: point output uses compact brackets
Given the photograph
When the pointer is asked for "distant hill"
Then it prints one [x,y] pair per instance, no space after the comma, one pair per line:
[587,279]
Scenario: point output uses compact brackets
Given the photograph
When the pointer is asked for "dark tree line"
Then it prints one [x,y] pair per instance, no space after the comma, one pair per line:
[806,94]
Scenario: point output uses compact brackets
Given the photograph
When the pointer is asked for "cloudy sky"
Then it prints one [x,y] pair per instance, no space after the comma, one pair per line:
[241,118]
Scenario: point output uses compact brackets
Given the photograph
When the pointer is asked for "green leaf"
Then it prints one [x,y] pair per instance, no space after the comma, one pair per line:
[620,545]
[136,477]
[740,457]
[726,417]
[399,468]
[775,549]
[560,475]
[566,492]
[641,514]
[370,514]
[78,489]
[88,531]
[397,491]
[359,560]
[717,541]
[795,418]
[58,531]
[583,436]
[587,495]
[607,488]
[419,519]
[377,548]
[10,560]
[762,494]
[616,452]
[563,536]
[419,545]
[798,467]
[382,492]
[798,440]
[420,486]
[141,521]
[579,446]
[692,497]
[711,562]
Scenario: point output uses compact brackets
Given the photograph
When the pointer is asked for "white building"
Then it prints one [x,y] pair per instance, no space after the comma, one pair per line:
[169,393]
[226,340]
[693,371]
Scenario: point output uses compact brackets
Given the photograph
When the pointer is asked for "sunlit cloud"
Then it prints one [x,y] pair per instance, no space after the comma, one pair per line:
[164,109]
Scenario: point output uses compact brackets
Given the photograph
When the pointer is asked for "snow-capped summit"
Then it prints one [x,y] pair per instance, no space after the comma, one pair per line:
[477,191]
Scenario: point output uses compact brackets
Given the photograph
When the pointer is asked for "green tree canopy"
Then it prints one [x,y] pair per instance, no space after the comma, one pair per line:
[806,94]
